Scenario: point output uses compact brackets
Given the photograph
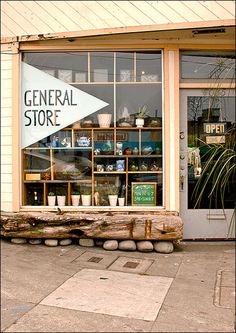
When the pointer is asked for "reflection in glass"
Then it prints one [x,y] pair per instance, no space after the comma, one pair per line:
[102,66]
[148,66]
[208,126]
[208,66]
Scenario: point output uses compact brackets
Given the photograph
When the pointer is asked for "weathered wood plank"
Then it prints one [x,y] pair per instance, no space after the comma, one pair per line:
[165,226]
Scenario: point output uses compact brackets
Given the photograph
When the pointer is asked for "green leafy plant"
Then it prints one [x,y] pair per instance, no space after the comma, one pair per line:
[61,191]
[86,190]
[142,112]
[218,171]
[112,190]
[51,194]
[219,168]
[75,192]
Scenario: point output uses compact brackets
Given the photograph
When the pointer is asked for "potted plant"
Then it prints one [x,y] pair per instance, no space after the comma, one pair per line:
[86,196]
[121,199]
[75,198]
[51,199]
[113,195]
[61,197]
[140,115]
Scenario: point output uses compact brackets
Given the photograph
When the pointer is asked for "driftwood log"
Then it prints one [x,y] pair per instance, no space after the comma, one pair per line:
[105,225]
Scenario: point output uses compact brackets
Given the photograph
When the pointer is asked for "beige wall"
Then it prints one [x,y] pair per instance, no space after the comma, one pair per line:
[6,132]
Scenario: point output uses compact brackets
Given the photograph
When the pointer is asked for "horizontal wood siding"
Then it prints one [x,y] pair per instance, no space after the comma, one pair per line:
[6,132]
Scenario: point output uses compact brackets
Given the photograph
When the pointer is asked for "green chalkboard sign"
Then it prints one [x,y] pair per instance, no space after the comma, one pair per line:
[144,194]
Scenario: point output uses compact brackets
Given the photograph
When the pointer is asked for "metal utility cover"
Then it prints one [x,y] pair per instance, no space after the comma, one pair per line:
[131,265]
[112,293]
[95,260]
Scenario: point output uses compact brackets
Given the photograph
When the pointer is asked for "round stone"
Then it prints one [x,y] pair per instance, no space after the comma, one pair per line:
[65,242]
[86,242]
[18,240]
[51,242]
[35,241]
[110,245]
[127,245]
[163,246]
[99,242]
[144,246]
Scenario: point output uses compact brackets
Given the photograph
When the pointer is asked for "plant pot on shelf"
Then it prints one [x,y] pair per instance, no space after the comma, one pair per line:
[112,199]
[51,200]
[104,120]
[86,199]
[139,122]
[75,199]
[61,200]
[121,201]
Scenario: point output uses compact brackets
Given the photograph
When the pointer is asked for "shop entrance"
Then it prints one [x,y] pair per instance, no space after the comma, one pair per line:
[204,128]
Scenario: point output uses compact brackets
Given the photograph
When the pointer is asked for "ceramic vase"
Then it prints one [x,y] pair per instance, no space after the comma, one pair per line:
[113,199]
[86,199]
[75,199]
[104,120]
[61,200]
[121,201]
[51,200]
[139,122]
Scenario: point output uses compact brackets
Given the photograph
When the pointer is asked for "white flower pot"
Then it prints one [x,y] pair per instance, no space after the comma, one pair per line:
[112,199]
[61,200]
[121,201]
[139,122]
[51,200]
[86,199]
[104,120]
[75,199]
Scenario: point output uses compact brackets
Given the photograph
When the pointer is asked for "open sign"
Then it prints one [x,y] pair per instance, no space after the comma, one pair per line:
[214,128]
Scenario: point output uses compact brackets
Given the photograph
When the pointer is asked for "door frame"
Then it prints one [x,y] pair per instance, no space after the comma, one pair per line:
[198,223]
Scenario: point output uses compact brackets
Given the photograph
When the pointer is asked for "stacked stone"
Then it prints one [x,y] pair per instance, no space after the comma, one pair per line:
[109,245]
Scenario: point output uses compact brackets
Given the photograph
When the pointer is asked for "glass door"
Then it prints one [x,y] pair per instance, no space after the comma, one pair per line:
[207,156]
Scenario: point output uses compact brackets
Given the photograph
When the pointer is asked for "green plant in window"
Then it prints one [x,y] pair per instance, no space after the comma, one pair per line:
[86,190]
[142,112]
[112,190]
[51,194]
[61,191]
[75,192]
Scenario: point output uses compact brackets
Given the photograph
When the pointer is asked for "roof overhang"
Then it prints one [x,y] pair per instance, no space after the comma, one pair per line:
[120,30]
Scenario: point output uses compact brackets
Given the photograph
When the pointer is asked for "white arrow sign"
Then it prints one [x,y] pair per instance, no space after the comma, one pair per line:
[48,105]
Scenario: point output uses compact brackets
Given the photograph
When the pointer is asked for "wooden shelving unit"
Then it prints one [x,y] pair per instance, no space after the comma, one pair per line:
[46,183]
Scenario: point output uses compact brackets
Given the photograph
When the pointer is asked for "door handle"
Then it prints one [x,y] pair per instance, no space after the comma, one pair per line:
[181,182]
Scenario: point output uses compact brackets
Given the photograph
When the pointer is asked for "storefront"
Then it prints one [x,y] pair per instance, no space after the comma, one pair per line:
[77,140]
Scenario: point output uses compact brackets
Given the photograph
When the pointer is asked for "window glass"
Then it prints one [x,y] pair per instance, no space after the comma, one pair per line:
[207,66]
[211,133]
[91,126]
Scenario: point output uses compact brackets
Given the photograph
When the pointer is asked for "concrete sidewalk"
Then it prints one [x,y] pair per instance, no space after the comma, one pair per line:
[81,289]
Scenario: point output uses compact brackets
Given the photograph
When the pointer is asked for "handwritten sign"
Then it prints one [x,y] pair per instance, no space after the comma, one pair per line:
[144,194]
[49,105]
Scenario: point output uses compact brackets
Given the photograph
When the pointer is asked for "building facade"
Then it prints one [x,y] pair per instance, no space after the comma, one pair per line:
[71,99]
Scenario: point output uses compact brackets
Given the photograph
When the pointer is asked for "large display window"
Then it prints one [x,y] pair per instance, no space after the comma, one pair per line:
[92,129]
